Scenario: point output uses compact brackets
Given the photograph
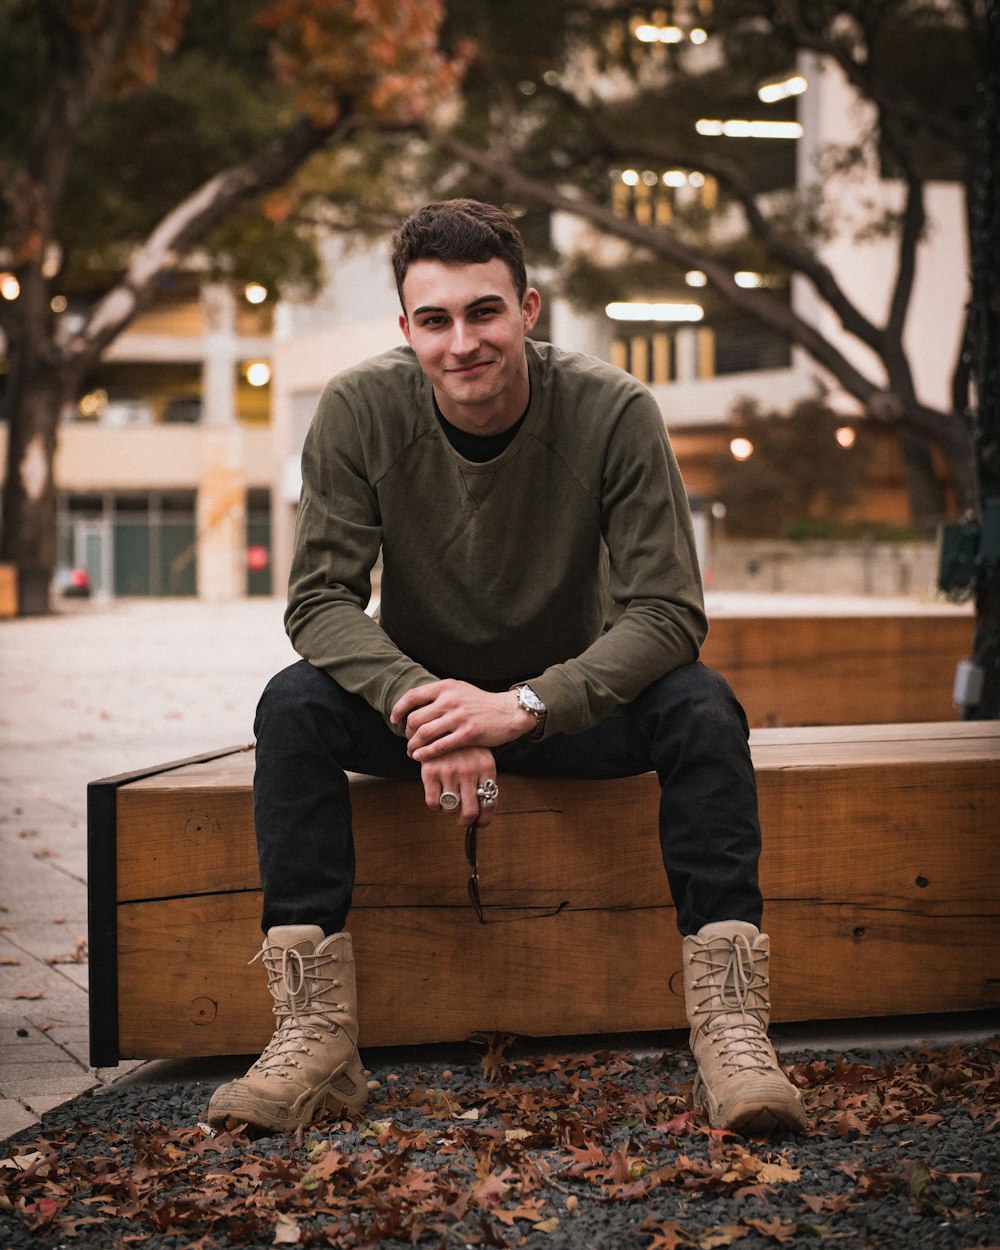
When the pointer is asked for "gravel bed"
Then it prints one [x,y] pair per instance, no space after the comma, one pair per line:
[507,1148]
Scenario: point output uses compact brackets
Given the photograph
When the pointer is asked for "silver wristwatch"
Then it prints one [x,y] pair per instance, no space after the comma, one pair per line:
[530,702]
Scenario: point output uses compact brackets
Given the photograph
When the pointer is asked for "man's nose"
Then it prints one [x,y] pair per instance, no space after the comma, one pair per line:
[464,339]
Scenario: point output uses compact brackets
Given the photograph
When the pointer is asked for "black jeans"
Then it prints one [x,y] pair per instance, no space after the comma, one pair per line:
[687,726]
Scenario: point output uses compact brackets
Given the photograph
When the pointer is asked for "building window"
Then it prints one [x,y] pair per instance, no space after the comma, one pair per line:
[749,347]
[652,197]
[132,544]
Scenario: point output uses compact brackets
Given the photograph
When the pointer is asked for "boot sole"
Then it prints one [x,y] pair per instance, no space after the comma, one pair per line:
[238,1106]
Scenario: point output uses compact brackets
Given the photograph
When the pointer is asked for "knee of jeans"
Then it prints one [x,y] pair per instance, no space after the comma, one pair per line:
[701,692]
[292,690]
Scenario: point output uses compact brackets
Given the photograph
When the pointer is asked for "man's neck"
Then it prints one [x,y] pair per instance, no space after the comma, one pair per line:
[487,420]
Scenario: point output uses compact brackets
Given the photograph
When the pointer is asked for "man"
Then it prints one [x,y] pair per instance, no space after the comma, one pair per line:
[541,612]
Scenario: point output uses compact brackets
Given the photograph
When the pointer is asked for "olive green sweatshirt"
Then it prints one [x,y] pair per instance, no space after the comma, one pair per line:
[568,561]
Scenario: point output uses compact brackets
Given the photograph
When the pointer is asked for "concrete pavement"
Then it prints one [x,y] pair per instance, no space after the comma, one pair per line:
[101,689]
[96,690]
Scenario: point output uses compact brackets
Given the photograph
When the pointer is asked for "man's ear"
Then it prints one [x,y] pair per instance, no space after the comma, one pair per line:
[404,325]
[531,306]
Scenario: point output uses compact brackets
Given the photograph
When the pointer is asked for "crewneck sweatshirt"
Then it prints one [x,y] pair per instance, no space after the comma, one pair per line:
[567,561]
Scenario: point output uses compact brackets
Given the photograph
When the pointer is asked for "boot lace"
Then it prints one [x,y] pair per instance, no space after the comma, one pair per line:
[733,1012]
[300,985]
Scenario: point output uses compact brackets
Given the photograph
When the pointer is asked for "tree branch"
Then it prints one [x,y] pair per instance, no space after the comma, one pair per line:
[782,249]
[757,304]
[908,112]
[78,69]
[189,222]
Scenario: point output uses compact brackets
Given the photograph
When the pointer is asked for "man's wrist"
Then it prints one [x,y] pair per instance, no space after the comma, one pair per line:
[533,708]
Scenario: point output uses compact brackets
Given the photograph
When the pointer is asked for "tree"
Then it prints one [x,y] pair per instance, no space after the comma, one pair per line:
[985,344]
[141,130]
[551,112]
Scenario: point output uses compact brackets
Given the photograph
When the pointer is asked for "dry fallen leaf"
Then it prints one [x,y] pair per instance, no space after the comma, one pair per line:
[286,1231]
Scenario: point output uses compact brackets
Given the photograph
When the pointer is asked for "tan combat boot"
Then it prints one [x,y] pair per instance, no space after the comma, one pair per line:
[739,1081]
[311,1063]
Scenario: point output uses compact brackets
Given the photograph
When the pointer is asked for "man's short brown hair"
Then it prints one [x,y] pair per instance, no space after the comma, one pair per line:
[459,232]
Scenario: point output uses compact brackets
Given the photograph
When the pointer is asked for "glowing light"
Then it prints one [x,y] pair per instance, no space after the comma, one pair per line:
[635,311]
[737,128]
[695,277]
[10,288]
[675,178]
[259,373]
[846,436]
[698,35]
[647,33]
[630,177]
[696,179]
[772,92]
[58,303]
[748,279]
[741,448]
[254,293]
[93,403]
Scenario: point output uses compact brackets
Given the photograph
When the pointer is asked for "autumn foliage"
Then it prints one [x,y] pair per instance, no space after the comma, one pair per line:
[382,55]
[550,1151]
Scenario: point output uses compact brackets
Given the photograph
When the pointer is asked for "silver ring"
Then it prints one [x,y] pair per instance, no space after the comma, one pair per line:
[449,800]
[487,793]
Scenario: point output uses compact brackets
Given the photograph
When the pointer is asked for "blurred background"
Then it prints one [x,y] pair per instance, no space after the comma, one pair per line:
[764,211]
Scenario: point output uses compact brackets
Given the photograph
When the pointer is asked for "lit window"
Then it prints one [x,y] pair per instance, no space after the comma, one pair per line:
[737,128]
[772,92]
[637,311]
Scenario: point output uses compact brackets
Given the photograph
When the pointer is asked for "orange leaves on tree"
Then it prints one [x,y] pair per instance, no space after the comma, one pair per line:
[154,31]
[378,57]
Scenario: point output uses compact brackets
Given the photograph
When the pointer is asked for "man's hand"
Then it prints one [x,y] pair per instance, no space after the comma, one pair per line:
[448,716]
[461,772]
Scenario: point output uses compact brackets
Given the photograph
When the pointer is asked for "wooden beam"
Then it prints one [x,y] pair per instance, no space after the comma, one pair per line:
[880,870]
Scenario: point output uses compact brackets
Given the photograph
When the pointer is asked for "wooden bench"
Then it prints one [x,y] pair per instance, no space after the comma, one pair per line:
[881,875]
[861,668]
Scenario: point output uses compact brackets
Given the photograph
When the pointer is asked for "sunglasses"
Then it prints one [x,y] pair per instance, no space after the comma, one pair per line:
[475,898]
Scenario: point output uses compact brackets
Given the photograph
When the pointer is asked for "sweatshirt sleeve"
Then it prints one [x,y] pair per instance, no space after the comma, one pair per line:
[658,620]
[338,535]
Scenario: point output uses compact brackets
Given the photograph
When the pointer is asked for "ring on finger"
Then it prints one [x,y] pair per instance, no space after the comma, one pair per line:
[449,800]
[488,792]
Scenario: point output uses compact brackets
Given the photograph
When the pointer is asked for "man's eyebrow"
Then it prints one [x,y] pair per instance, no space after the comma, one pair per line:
[483,299]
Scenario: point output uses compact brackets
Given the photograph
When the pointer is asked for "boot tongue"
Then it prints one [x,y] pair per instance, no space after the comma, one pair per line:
[728,929]
[288,935]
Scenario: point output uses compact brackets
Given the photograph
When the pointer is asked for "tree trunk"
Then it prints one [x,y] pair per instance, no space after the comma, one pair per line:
[985,324]
[36,391]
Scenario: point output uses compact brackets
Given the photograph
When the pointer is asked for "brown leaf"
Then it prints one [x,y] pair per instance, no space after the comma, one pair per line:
[526,1211]
[777,1229]
[668,1236]
[286,1231]
[722,1236]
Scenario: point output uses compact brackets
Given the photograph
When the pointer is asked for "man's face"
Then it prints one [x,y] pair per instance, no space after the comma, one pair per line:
[467,328]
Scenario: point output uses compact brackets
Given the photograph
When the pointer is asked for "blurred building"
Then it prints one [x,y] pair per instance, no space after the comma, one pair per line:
[178,465]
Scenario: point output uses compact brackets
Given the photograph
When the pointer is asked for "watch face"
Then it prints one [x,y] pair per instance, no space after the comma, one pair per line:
[530,701]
